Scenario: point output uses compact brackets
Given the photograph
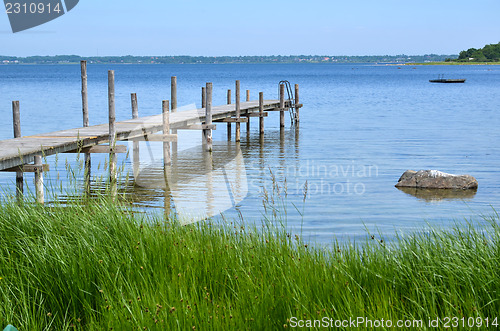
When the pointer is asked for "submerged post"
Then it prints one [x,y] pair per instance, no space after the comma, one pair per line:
[112,131]
[228,123]
[85,111]
[297,108]
[16,117]
[238,111]
[282,105]
[261,113]
[208,118]
[39,180]
[166,130]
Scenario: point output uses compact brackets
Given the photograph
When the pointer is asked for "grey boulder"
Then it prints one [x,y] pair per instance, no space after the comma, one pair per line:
[434,179]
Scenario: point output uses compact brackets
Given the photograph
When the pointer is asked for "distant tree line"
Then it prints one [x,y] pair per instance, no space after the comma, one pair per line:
[489,53]
[61,59]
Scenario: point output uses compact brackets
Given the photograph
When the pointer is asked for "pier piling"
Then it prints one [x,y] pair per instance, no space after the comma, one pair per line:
[86,123]
[248,123]
[203,97]
[297,108]
[85,103]
[39,180]
[207,133]
[228,123]
[135,105]
[112,131]
[173,93]
[261,113]
[173,104]
[282,105]
[16,117]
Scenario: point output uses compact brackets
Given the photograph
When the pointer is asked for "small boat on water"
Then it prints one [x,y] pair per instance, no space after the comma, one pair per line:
[441,79]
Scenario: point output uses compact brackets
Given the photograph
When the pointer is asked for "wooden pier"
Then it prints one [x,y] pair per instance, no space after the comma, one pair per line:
[25,154]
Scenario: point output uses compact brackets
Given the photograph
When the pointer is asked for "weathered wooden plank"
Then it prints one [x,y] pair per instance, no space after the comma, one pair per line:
[199,127]
[232,120]
[28,168]
[264,114]
[156,137]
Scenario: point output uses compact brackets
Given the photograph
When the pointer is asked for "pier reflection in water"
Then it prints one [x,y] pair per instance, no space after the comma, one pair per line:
[197,184]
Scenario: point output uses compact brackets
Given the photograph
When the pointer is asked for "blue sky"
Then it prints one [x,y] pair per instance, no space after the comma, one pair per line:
[260,27]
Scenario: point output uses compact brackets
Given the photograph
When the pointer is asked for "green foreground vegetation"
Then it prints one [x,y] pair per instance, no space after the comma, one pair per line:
[100,266]
[452,63]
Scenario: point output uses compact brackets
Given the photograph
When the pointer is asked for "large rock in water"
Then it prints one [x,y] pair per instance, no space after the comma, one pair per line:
[433,179]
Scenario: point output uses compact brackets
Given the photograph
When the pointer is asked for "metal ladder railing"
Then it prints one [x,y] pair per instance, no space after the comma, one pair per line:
[291,100]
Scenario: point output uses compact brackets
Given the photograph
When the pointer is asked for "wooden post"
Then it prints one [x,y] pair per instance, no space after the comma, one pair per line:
[173,104]
[135,144]
[85,104]
[282,105]
[228,124]
[85,111]
[112,131]
[203,97]
[208,118]
[297,109]
[173,93]
[39,181]
[238,111]
[248,123]
[166,130]
[261,112]
[16,117]
[135,105]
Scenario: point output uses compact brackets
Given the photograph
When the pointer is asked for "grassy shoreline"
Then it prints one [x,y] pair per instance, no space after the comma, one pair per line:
[97,266]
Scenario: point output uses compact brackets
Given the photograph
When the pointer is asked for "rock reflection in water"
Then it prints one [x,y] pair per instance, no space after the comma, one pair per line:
[432,195]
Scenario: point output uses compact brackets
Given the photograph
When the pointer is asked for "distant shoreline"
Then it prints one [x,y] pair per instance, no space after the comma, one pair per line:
[128,59]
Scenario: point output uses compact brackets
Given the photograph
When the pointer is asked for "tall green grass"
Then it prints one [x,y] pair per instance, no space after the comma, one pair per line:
[98,266]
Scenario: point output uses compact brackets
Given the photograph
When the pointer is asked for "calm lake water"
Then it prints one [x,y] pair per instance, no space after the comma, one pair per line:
[361,127]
